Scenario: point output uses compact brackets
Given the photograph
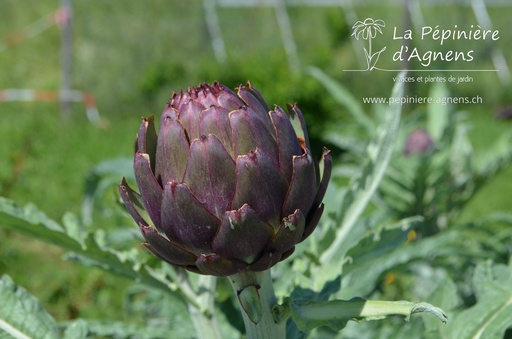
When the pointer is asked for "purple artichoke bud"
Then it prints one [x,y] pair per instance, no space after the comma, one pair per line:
[228,183]
[418,142]
[504,114]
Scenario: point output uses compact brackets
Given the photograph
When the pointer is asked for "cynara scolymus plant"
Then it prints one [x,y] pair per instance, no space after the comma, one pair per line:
[230,186]
[228,183]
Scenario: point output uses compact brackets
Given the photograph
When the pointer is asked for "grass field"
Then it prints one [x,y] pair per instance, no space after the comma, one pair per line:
[45,160]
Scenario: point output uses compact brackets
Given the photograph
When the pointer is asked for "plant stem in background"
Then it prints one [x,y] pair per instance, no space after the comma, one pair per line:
[200,304]
[255,294]
[206,325]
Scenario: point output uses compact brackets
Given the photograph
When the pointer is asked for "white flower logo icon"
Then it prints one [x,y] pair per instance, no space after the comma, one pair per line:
[367,30]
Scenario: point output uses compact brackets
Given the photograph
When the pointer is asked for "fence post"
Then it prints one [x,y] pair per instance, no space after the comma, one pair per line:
[65,21]
[212,23]
[484,20]
[287,35]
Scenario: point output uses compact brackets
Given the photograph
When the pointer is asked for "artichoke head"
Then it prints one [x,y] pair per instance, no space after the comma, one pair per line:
[228,183]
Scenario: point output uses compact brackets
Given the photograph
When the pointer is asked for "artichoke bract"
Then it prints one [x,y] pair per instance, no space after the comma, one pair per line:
[228,183]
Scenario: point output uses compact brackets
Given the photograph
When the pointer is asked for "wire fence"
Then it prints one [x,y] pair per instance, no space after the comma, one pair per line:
[31,95]
[152,35]
[413,10]
[61,17]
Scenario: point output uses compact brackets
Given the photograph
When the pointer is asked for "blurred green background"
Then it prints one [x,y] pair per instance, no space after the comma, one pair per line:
[131,55]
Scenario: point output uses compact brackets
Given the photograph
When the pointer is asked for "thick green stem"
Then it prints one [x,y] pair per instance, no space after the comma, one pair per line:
[256,297]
